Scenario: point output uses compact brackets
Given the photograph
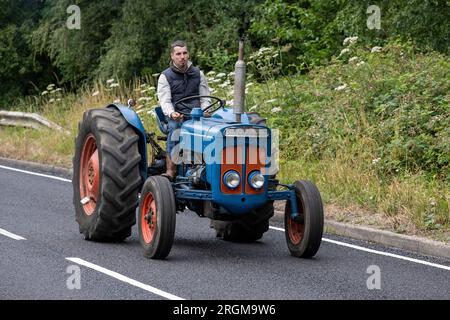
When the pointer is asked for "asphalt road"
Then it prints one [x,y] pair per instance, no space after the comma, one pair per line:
[43,256]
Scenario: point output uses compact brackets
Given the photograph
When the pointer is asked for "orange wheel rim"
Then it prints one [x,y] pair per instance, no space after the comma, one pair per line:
[89,175]
[148,218]
[295,231]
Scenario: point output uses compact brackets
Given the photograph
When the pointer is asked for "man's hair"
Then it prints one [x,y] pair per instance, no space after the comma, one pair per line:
[177,43]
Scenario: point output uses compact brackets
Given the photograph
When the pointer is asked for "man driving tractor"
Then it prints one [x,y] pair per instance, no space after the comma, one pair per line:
[180,80]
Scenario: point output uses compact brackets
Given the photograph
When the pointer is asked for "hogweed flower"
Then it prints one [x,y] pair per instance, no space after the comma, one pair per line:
[344,51]
[350,41]
[276,109]
[376,49]
[341,87]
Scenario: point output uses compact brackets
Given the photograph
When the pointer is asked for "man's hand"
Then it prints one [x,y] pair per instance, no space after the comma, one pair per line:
[206,114]
[176,116]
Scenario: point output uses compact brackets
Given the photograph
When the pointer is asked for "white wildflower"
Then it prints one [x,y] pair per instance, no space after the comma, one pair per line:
[341,87]
[248,84]
[96,93]
[113,85]
[51,100]
[270,101]
[344,51]
[375,161]
[44,92]
[350,41]
[155,74]
[211,73]
[110,80]
[253,108]
[58,89]
[221,75]
[50,86]
[353,59]
[224,85]
[360,63]
[376,49]
[116,101]
[276,109]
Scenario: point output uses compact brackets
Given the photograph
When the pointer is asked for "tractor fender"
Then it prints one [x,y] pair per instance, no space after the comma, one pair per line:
[133,119]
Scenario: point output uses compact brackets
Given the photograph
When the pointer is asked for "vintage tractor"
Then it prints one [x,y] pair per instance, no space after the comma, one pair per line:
[224,173]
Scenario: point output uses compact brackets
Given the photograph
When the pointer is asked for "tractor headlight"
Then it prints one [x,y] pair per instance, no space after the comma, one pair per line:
[256,180]
[231,179]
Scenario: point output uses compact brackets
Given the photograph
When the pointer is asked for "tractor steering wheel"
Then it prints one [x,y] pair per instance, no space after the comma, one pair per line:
[181,102]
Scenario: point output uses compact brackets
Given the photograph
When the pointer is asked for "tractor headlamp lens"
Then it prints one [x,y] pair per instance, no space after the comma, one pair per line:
[256,180]
[231,179]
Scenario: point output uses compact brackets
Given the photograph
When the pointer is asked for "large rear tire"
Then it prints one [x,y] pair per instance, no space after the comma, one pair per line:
[249,228]
[106,177]
[304,236]
[157,216]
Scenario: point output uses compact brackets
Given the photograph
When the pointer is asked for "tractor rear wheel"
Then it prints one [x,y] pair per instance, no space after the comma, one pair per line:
[304,235]
[106,177]
[157,216]
[249,228]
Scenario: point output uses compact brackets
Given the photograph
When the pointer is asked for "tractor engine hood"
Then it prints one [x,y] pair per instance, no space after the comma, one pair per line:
[211,141]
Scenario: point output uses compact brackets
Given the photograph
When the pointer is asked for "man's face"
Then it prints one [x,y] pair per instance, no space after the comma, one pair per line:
[180,56]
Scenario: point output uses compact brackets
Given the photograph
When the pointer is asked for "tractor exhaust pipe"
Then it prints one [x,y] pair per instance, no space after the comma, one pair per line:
[239,83]
[239,75]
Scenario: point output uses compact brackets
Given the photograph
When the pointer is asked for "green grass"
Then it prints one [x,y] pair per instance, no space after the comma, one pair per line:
[372,132]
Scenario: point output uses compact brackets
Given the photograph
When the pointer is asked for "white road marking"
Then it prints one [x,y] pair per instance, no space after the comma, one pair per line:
[125,279]
[339,243]
[11,235]
[36,174]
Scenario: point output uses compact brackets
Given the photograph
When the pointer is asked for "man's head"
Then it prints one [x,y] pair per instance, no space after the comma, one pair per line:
[179,54]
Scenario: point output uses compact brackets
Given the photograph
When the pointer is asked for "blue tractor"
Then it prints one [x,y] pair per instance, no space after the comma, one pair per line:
[224,174]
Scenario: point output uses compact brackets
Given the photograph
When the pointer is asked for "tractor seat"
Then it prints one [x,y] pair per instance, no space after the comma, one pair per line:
[161,120]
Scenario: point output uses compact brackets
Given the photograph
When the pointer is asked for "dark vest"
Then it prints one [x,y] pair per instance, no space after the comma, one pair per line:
[184,85]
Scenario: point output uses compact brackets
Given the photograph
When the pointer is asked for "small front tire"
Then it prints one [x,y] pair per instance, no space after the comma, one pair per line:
[157,216]
[304,236]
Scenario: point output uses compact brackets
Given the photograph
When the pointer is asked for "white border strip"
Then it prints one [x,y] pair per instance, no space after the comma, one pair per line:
[339,243]
[36,174]
[125,279]
[11,235]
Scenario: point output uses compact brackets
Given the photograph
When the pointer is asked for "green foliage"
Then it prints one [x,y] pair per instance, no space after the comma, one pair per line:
[314,30]
[388,105]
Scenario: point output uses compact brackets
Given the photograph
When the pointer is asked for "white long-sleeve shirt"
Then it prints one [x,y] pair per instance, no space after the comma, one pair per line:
[165,95]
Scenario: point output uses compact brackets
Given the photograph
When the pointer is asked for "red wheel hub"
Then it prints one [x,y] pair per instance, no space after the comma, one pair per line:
[295,231]
[148,218]
[89,175]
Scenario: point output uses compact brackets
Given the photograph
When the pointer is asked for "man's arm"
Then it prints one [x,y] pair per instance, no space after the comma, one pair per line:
[165,95]
[204,91]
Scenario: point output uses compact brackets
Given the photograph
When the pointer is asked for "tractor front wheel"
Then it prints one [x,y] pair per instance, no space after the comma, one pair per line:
[304,234]
[156,218]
